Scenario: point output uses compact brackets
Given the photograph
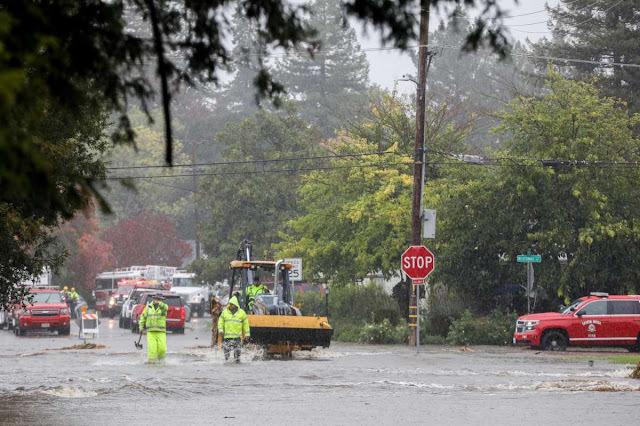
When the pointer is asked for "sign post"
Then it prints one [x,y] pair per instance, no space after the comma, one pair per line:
[529,259]
[417,262]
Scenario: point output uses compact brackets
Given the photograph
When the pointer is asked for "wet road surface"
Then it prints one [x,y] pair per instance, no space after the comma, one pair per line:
[346,384]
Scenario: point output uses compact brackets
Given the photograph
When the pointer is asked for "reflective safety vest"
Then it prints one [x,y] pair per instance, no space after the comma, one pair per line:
[233,325]
[73,295]
[154,319]
[254,290]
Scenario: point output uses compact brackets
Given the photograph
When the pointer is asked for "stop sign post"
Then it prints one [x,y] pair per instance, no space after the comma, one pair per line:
[417,262]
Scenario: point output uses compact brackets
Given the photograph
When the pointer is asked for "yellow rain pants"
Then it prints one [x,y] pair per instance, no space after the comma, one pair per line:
[156,345]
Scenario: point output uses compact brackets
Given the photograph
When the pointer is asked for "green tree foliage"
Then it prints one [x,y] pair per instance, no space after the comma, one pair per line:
[330,84]
[67,146]
[584,206]
[601,31]
[356,218]
[250,197]
[238,97]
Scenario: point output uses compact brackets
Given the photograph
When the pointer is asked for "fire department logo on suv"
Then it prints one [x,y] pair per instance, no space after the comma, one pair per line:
[591,328]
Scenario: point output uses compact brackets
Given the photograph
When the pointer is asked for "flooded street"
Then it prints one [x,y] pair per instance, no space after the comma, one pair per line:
[347,384]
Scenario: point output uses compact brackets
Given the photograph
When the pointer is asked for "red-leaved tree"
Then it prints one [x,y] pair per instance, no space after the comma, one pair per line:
[88,254]
[146,239]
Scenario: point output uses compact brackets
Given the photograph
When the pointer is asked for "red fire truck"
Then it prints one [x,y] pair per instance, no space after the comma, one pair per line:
[106,291]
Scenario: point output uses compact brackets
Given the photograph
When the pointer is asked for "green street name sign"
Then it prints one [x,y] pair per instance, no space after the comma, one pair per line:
[529,258]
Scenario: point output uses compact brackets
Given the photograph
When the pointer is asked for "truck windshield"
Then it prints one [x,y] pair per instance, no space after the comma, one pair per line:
[103,284]
[184,282]
[46,297]
[572,307]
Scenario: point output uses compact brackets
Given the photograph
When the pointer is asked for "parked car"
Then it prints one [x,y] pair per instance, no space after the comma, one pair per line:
[175,315]
[46,311]
[127,307]
[596,320]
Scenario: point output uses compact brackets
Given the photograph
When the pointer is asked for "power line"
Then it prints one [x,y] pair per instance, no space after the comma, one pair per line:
[238,162]
[528,55]
[574,25]
[555,58]
[251,172]
[539,11]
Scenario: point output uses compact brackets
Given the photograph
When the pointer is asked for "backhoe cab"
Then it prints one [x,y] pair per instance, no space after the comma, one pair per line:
[275,322]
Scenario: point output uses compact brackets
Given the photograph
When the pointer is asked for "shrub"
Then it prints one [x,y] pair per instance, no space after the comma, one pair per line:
[426,339]
[496,329]
[358,313]
[443,309]
[383,333]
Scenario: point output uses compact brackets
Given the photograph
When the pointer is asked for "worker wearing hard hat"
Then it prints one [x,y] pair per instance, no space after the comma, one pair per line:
[255,290]
[154,321]
[233,326]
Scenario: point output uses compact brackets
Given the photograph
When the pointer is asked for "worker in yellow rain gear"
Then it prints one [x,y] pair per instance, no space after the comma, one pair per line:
[154,321]
[233,327]
[253,291]
[72,298]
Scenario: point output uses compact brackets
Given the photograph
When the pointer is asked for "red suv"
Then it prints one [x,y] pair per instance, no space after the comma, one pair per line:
[47,311]
[175,315]
[596,320]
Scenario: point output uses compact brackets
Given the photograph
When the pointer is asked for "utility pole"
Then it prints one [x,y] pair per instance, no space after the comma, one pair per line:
[419,159]
[196,213]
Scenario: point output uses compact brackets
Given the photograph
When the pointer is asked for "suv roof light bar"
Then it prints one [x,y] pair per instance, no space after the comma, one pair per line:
[599,294]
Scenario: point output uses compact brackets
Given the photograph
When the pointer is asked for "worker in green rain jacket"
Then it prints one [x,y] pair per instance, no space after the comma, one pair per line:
[73,298]
[254,290]
[233,326]
[154,321]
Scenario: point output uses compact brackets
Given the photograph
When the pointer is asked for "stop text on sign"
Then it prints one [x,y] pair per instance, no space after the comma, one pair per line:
[417,262]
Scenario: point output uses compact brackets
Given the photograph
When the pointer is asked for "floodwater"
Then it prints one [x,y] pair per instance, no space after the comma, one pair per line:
[346,384]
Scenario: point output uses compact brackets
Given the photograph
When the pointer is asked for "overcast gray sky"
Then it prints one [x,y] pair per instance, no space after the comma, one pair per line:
[387,66]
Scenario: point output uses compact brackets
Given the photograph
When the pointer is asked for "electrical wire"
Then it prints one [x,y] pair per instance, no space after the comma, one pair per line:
[238,162]
[267,171]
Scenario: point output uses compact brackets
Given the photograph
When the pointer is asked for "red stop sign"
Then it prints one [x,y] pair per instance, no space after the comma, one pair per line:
[417,262]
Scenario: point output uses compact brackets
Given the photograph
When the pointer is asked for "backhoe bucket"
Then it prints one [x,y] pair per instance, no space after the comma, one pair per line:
[286,333]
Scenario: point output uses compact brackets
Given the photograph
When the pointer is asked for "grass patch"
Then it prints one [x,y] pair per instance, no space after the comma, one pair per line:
[625,359]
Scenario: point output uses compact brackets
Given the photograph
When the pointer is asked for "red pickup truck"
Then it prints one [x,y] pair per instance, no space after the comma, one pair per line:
[175,315]
[595,320]
[47,311]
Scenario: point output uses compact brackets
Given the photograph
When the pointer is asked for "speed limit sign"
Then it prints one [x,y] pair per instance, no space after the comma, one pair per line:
[295,273]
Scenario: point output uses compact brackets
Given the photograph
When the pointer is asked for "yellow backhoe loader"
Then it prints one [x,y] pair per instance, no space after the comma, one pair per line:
[276,324]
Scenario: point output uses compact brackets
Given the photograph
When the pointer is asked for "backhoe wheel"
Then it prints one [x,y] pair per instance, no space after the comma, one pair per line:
[554,340]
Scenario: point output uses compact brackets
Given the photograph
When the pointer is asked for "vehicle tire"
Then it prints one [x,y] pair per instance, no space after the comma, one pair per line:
[554,340]
[636,347]
[179,330]
[202,309]
[64,331]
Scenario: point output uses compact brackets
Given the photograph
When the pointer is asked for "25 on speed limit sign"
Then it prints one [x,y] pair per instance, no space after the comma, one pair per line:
[295,273]
[417,262]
